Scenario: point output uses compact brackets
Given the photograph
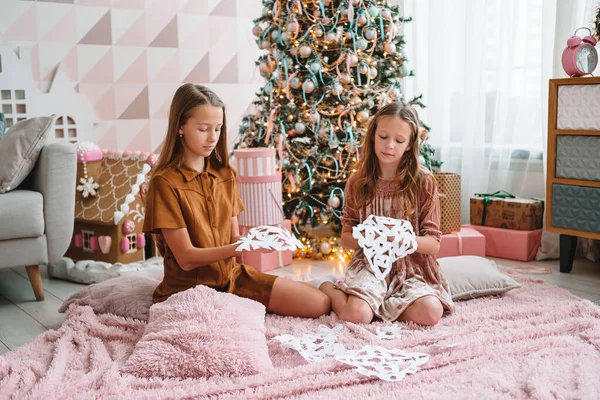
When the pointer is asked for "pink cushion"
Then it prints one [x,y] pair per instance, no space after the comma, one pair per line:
[125,296]
[202,333]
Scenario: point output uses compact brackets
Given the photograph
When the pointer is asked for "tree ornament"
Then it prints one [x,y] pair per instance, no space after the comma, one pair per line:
[285,36]
[340,108]
[300,127]
[326,20]
[308,86]
[390,48]
[361,44]
[363,69]
[352,60]
[362,20]
[257,30]
[331,37]
[362,116]
[264,68]
[373,73]
[295,82]
[305,51]
[294,51]
[404,71]
[325,248]
[387,14]
[349,35]
[337,89]
[318,31]
[334,201]
[315,67]
[264,45]
[354,101]
[345,78]
[373,11]
[293,26]
[394,93]
[370,34]
[275,34]
[314,117]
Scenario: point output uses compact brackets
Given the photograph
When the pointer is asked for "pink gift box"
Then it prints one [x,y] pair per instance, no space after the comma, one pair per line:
[510,243]
[466,242]
[266,261]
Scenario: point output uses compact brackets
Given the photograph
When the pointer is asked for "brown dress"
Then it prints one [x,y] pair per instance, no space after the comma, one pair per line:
[417,275]
[204,203]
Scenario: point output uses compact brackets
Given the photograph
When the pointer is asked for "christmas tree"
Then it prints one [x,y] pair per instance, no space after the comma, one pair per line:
[328,66]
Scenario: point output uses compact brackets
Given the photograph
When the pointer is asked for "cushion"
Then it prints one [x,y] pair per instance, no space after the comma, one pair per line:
[20,149]
[127,296]
[472,276]
[21,215]
[202,333]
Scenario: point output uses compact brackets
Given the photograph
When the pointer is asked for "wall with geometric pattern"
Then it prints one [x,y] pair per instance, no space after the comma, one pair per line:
[127,57]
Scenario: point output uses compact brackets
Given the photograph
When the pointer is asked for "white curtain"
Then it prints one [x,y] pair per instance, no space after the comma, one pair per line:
[483,68]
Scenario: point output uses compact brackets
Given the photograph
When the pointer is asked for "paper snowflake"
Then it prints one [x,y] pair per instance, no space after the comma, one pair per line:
[88,187]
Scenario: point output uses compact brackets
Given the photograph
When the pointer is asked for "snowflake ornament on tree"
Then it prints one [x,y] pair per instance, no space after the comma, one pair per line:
[88,187]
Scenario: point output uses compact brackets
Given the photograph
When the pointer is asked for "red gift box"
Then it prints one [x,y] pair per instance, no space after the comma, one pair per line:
[465,242]
[266,261]
[510,243]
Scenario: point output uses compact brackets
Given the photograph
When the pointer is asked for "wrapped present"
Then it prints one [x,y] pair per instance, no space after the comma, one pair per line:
[266,261]
[449,191]
[510,243]
[259,185]
[503,210]
[467,241]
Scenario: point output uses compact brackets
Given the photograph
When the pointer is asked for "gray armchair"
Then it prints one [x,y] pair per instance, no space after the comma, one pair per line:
[36,219]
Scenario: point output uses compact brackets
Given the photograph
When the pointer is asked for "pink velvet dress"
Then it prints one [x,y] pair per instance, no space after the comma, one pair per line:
[412,277]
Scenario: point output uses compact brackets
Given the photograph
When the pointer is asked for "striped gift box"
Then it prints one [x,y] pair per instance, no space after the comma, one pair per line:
[259,185]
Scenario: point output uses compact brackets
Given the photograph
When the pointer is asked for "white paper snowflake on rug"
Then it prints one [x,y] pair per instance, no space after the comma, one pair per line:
[390,365]
[268,237]
[384,240]
[389,332]
[317,347]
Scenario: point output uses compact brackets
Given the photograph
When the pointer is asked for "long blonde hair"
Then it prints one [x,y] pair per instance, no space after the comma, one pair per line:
[409,172]
[186,98]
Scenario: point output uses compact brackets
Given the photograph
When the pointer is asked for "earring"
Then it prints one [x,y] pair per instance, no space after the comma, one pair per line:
[181,136]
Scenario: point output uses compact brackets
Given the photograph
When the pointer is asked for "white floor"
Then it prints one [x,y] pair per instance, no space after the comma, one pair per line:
[22,318]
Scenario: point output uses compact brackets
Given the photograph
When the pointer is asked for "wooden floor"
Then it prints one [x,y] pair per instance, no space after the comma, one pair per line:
[22,318]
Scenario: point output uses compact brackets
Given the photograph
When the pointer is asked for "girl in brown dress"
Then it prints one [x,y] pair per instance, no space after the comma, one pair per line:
[389,182]
[192,206]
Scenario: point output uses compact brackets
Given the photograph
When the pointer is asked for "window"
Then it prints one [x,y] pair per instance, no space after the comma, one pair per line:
[65,129]
[13,105]
[132,243]
[87,235]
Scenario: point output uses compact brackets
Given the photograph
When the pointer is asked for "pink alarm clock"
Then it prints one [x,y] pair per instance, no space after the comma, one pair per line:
[580,57]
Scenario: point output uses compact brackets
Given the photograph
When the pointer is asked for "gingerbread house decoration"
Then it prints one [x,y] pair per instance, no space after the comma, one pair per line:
[20,97]
[109,205]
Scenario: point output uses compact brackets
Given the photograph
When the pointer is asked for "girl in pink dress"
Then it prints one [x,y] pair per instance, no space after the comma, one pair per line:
[389,182]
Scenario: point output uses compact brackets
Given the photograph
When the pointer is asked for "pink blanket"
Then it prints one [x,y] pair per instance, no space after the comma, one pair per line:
[536,342]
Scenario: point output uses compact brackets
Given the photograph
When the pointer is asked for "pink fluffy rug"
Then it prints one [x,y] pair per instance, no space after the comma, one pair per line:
[536,342]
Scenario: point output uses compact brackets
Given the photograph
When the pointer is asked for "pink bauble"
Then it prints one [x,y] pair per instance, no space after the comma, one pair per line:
[127,153]
[390,48]
[362,116]
[345,78]
[152,160]
[334,202]
[125,245]
[308,86]
[305,51]
[353,60]
[128,226]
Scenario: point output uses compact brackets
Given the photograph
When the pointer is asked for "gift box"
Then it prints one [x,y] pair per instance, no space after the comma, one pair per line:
[266,261]
[467,241]
[449,192]
[510,243]
[503,210]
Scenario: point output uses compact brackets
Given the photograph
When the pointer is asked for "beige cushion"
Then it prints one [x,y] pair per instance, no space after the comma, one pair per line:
[472,276]
[20,149]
